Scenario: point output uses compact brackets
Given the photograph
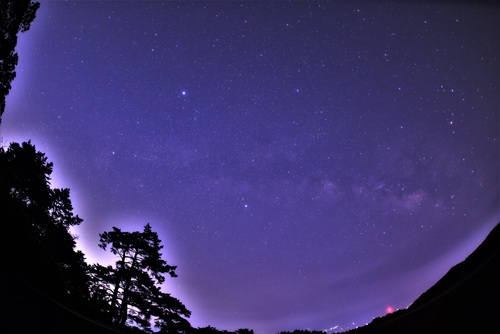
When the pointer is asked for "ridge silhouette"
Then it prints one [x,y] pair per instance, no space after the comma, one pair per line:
[465,299]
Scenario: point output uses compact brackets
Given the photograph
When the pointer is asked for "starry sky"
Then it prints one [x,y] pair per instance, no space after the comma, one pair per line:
[306,164]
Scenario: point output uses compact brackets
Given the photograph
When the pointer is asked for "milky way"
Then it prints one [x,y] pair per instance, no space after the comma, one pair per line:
[306,164]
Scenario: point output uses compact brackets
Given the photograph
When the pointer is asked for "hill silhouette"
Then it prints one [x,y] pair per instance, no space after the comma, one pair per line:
[466,299]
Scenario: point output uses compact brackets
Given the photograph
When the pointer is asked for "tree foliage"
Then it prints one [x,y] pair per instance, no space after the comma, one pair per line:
[36,246]
[35,241]
[304,331]
[129,292]
[15,17]
[213,330]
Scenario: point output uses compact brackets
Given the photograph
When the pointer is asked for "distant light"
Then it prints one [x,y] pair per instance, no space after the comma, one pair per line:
[183,93]
[389,309]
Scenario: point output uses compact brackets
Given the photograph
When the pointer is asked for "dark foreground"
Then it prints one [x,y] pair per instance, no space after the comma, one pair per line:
[465,300]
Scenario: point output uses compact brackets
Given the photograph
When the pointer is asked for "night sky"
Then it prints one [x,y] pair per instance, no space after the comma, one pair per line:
[306,164]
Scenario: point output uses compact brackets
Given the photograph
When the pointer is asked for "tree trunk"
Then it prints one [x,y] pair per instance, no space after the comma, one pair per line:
[126,290]
[114,297]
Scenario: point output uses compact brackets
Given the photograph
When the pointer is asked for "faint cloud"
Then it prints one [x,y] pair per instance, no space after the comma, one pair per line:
[408,201]
[414,199]
[328,191]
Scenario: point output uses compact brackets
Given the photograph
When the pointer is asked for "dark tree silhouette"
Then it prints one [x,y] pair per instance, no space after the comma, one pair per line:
[35,242]
[303,331]
[169,312]
[129,291]
[213,330]
[244,331]
[15,17]
[208,330]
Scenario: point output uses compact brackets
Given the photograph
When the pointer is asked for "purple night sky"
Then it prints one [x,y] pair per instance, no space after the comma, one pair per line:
[306,164]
